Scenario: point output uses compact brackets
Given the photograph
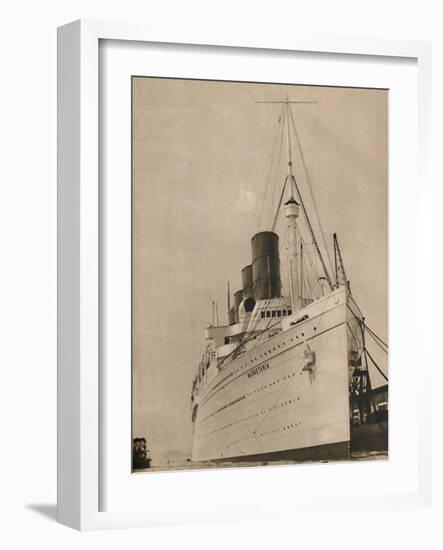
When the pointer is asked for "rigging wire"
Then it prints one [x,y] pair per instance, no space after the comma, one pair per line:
[277,151]
[258,319]
[308,281]
[261,332]
[375,365]
[246,323]
[279,205]
[314,269]
[245,339]
[314,202]
[365,349]
[378,344]
[375,336]
[363,324]
[314,240]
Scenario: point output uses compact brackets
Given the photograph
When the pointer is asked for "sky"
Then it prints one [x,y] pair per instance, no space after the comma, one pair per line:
[202,152]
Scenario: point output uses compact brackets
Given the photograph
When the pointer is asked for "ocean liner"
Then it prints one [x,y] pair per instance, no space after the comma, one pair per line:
[287,377]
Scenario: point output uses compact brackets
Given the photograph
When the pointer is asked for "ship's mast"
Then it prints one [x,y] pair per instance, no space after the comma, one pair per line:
[290,176]
[291,213]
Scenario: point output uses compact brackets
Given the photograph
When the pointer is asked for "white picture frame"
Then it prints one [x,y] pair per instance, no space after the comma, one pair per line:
[79,370]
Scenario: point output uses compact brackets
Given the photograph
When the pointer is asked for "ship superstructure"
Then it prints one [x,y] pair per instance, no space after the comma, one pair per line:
[287,377]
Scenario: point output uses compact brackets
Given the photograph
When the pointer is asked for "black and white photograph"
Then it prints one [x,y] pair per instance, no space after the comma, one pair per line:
[259,274]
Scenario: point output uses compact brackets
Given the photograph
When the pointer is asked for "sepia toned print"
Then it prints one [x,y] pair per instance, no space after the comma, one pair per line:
[260,273]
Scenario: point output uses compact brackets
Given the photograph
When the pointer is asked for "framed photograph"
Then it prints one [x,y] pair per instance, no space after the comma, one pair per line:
[232,219]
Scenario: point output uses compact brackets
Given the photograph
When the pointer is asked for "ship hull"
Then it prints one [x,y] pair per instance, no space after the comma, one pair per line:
[267,405]
[332,451]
